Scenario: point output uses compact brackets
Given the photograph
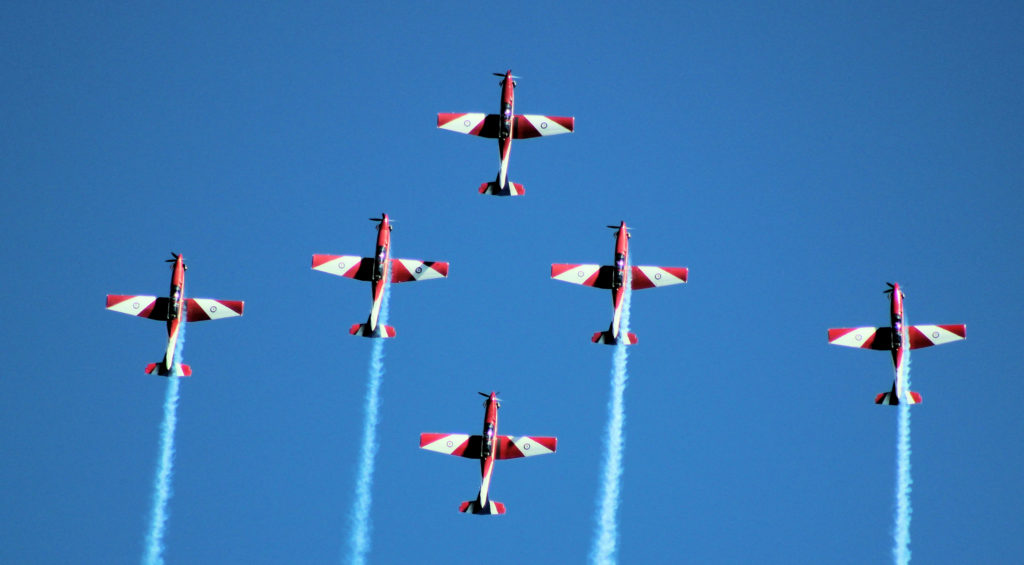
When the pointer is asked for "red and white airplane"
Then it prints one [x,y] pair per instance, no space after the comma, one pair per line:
[174,310]
[897,339]
[378,270]
[505,126]
[614,277]
[487,447]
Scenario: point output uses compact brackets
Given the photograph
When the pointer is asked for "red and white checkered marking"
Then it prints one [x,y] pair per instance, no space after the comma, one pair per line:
[202,309]
[651,277]
[853,337]
[929,335]
[585,274]
[535,125]
[406,270]
[135,305]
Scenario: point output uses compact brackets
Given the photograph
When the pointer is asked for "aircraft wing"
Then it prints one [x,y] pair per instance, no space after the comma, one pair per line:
[533,125]
[351,266]
[407,270]
[510,447]
[476,123]
[651,277]
[865,338]
[202,309]
[597,276]
[463,445]
[152,307]
[927,335]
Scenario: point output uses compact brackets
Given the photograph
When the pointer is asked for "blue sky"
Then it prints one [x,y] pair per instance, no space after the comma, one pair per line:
[794,157]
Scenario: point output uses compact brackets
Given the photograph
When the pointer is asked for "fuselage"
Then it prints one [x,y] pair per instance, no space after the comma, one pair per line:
[505,122]
[176,313]
[488,445]
[900,340]
[619,276]
[381,268]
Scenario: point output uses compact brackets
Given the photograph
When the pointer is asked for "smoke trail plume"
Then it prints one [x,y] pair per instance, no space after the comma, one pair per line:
[165,463]
[605,543]
[904,482]
[359,543]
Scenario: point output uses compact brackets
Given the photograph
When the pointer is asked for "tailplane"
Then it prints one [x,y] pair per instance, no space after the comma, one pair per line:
[892,399]
[474,507]
[162,370]
[366,330]
[510,189]
[608,338]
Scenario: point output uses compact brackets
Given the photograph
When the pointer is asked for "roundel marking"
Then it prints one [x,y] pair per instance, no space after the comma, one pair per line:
[543,125]
[935,334]
[213,309]
[526,447]
[657,276]
[341,264]
[449,443]
[419,270]
[466,123]
[579,274]
[858,337]
[135,305]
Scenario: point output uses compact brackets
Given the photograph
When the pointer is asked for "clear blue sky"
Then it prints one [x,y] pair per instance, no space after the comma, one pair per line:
[795,158]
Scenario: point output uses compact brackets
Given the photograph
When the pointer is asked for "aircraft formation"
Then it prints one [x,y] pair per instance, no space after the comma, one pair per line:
[380,269]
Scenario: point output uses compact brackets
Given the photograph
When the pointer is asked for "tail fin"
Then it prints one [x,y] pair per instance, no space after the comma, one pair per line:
[365,330]
[891,398]
[510,189]
[608,338]
[162,370]
[474,507]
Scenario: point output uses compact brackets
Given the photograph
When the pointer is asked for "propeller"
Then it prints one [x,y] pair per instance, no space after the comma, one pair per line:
[629,230]
[175,255]
[890,289]
[502,75]
[496,398]
[381,219]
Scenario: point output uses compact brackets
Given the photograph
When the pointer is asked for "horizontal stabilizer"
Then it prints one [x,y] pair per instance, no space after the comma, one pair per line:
[163,371]
[474,507]
[366,330]
[495,189]
[891,398]
[608,338]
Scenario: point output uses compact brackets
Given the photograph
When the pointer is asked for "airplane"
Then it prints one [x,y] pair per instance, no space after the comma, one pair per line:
[487,447]
[614,277]
[174,309]
[897,341]
[378,270]
[505,126]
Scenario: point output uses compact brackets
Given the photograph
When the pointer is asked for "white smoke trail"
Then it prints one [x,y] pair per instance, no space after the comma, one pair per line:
[359,543]
[165,463]
[605,543]
[904,482]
